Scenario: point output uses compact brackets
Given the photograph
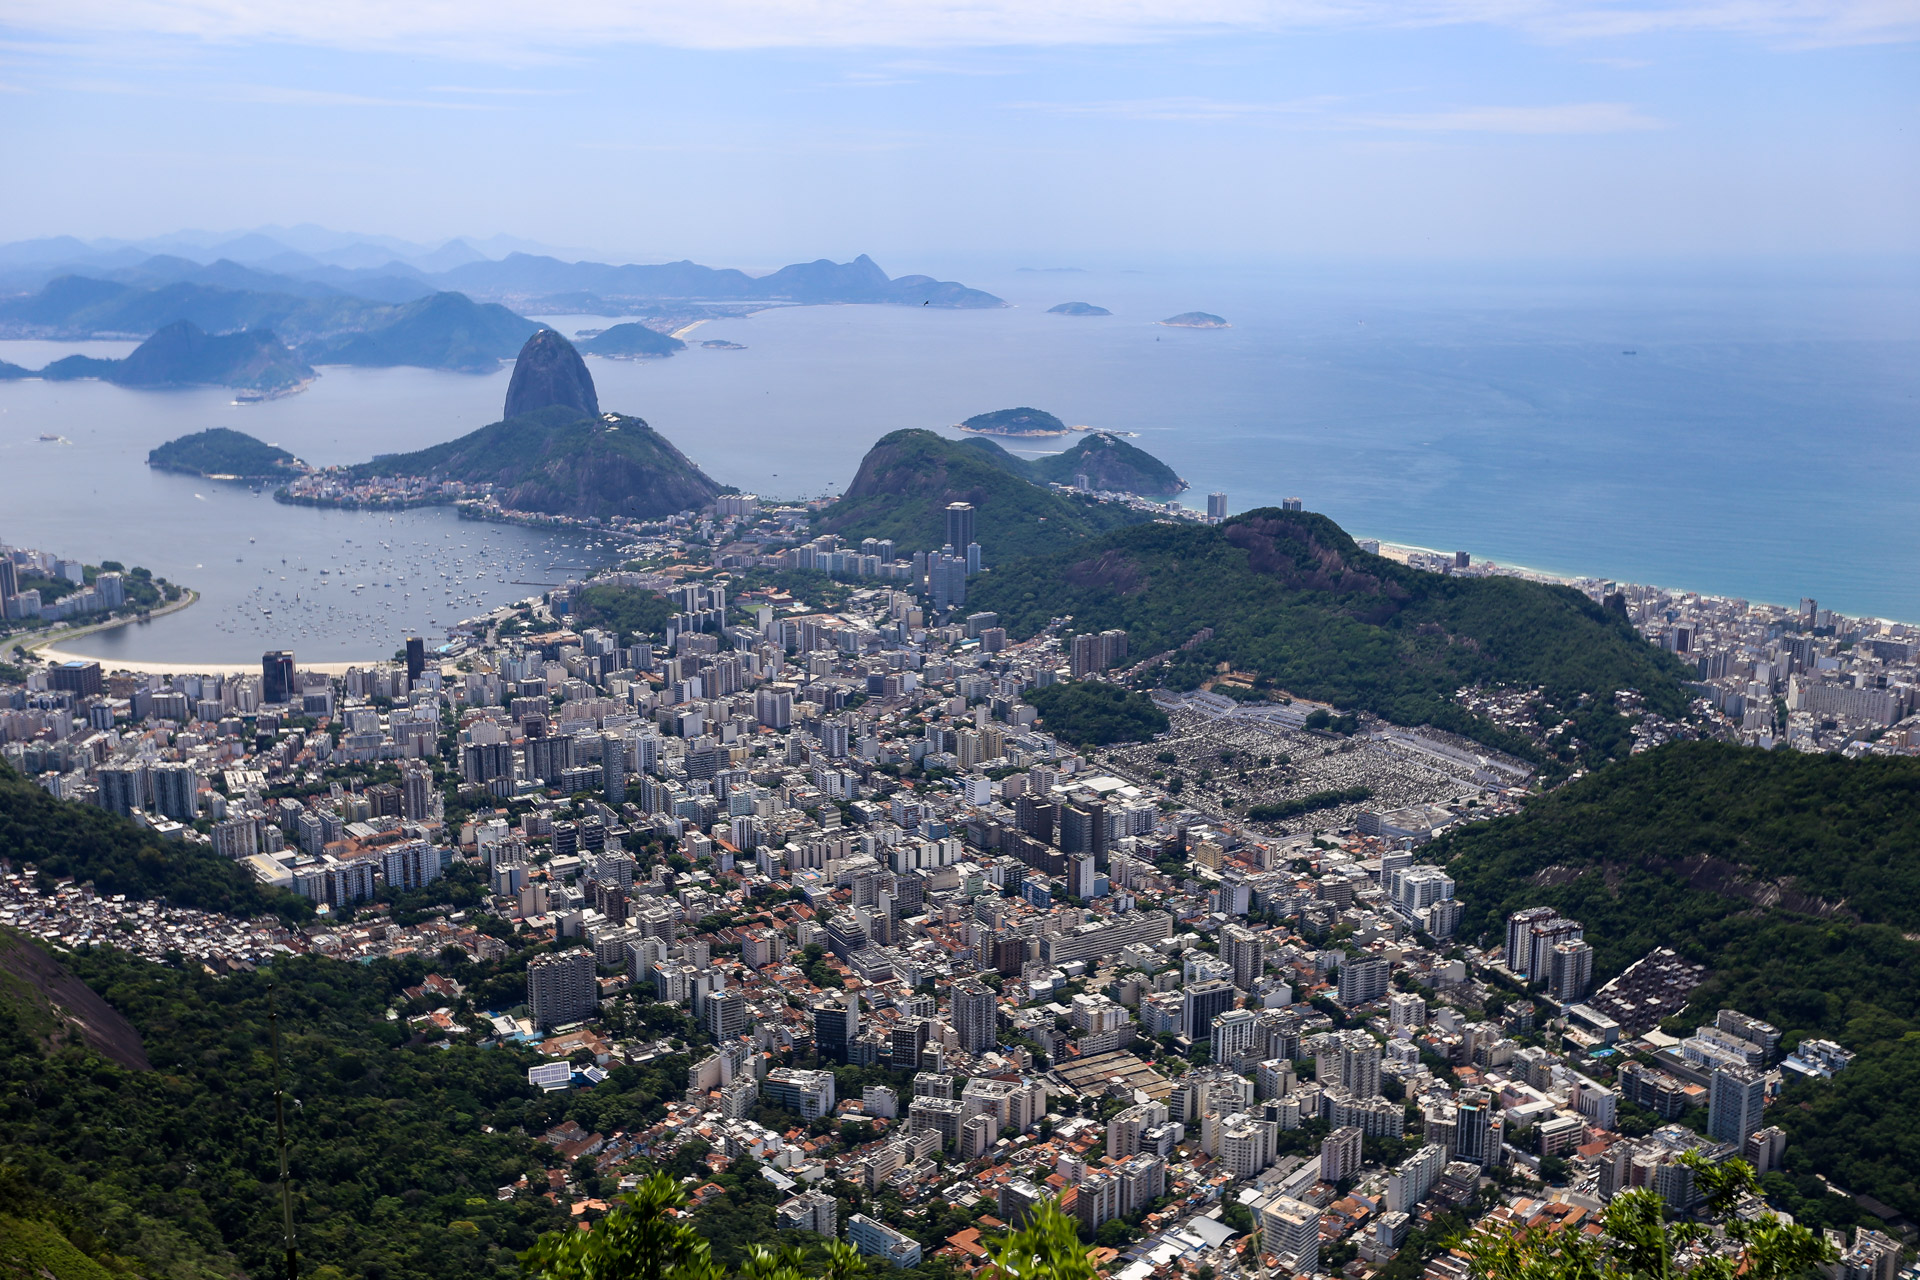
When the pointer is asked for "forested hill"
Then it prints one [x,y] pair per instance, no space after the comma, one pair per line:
[1292,599]
[64,838]
[1795,878]
[909,477]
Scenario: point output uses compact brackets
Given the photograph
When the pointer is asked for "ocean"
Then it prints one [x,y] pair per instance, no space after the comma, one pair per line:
[1733,433]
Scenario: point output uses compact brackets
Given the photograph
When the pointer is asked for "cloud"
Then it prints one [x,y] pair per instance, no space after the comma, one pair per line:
[1334,114]
[504,30]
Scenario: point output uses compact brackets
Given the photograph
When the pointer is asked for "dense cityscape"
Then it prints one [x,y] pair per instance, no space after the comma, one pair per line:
[928,959]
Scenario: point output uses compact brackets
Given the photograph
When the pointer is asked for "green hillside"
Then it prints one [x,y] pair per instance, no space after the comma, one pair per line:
[1108,462]
[1795,878]
[630,341]
[182,354]
[221,451]
[1292,599]
[442,331]
[561,462]
[909,477]
[65,838]
[1022,421]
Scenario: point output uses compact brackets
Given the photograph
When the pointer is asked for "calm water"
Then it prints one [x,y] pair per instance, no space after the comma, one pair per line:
[1763,439]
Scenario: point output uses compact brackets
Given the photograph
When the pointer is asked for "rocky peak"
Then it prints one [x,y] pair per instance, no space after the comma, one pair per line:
[547,372]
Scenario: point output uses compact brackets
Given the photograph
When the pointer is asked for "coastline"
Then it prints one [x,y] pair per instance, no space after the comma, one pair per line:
[48,646]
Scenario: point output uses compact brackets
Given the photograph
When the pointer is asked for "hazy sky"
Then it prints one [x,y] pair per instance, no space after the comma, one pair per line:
[755,131]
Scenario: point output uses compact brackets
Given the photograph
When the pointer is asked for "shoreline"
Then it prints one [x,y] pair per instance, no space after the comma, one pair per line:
[50,642]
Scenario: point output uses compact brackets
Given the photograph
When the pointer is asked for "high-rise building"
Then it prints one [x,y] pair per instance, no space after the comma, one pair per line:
[416,793]
[1363,981]
[276,677]
[808,1094]
[959,526]
[9,584]
[727,1014]
[122,787]
[1735,1103]
[1479,1128]
[82,679]
[416,658]
[613,766]
[1200,1004]
[1340,1155]
[910,1037]
[1290,1230]
[176,790]
[976,1015]
[1544,936]
[1216,506]
[561,988]
[835,1026]
[1570,971]
[1246,951]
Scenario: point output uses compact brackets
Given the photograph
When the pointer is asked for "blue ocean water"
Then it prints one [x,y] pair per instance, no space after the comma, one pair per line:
[1762,439]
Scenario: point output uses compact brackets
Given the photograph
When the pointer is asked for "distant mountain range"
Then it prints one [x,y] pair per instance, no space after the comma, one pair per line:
[445,310]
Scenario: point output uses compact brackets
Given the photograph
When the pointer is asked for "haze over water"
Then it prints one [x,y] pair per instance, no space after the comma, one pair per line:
[1762,439]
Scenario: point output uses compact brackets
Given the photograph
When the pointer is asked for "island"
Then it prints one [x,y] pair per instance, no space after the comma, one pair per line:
[1195,320]
[1078,309]
[219,453]
[721,344]
[1015,422]
[632,341]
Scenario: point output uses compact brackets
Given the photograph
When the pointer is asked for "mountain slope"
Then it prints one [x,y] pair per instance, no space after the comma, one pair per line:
[1795,878]
[182,354]
[1291,598]
[548,372]
[444,331]
[1112,464]
[560,462]
[908,478]
[630,340]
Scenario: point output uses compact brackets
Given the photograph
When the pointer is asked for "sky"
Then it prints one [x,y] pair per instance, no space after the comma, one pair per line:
[754,132]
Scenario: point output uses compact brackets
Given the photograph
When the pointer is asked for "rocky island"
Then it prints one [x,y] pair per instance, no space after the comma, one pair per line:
[222,454]
[1078,309]
[1015,422]
[1195,320]
[632,341]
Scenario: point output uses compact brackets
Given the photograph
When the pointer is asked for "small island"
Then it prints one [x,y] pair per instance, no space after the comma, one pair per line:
[1195,320]
[1015,422]
[632,341]
[220,454]
[721,344]
[1078,309]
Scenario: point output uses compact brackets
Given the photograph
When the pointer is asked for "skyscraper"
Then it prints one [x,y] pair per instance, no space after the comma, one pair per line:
[1216,506]
[1200,1004]
[1246,951]
[835,1025]
[1735,1103]
[561,988]
[416,657]
[613,766]
[276,677]
[976,1015]
[959,526]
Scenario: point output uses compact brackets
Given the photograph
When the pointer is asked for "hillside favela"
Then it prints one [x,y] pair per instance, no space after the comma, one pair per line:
[548,763]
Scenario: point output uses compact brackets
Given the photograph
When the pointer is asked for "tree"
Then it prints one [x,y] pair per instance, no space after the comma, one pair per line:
[647,1238]
[1638,1243]
[1047,1248]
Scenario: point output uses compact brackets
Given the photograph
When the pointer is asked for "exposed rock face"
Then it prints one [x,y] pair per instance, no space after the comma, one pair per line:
[549,372]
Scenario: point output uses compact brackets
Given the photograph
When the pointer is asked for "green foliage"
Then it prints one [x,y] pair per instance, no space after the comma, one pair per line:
[1638,1243]
[1047,1248]
[396,1146]
[626,611]
[908,478]
[1793,876]
[1310,803]
[1107,461]
[221,451]
[1090,713]
[64,838]
[559,461]
[1016,422]
[1290,597]
[647,1238]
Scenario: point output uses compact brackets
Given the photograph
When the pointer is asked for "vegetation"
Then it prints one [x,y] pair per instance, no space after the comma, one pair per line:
[1089,713]
[1195,320]
[630,340]
[1015,422]
[441,331]
[220,451]
[908,478]
[63,838]
[1107,461]
[563,462]
[182,354]
[1636,1242]
[1310,803]
[1793,876]
[625,611]
[1291,598]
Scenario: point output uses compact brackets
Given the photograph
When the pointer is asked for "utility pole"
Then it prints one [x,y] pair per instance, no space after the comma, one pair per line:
[280,1120]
